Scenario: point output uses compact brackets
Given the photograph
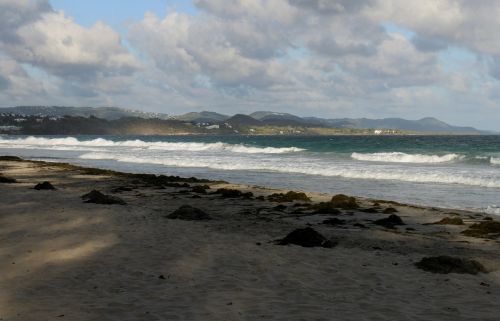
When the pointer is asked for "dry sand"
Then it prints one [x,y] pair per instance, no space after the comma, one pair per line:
[62,259]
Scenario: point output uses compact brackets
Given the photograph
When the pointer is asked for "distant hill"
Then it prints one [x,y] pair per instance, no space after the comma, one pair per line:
[427,124]
[279,119]
[108,113]
[256,119]
[243,120]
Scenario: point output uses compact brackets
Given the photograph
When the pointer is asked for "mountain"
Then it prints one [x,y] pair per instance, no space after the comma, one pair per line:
[279,119]
[260,118]
[202,117]
[428,124]
[109,113]
[243,120]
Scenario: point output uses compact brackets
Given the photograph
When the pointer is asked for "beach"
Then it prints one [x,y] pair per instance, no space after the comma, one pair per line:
[65,259]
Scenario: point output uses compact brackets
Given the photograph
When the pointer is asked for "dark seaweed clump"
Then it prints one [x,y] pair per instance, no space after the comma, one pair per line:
[447,264]
[290,196]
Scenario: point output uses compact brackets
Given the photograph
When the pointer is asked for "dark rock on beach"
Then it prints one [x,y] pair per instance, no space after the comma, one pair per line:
[306,237]
[325,208]
[233,193]
[97,197]
[189,213]
[120,189]
[7,180]
[44,186]
[200,189]
[344,202]
[10,158]
[334,221]
[486,229]
[450,221]
[279,207]
[390,222]
[390,210]
[290,196]
[448,264]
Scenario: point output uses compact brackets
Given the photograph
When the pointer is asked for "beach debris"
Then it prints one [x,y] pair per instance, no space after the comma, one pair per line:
[290,196]
[450,221]
[44,186]
[448,264]
[200,189]
[485,229]
[7,180]
[333,221]
[344,202]
[233,193]
[189,213]
[306,237]
[10,158]
[97,197]
[390,210]
[390,222]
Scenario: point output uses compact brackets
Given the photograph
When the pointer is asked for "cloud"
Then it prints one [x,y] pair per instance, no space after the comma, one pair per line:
[46,39]
[323,57]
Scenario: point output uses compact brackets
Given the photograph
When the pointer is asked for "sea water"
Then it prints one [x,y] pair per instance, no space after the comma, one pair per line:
[442,171]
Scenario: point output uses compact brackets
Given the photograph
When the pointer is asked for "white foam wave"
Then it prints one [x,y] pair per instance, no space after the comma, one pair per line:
[397,157]
[495,161]
[308,168]
[492,209]
[71,143]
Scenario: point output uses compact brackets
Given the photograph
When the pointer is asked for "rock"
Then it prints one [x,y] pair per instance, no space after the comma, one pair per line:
[390,210]
[200,189]
[260,198]
[290,196]
[360,225]
[44,186]
[99,198]
[233,193]
[189,213]
[390,222]
[325,208]
[448,264]
[176,185]
[306,237]
[333,221]
[7,180]
[450,221]
[120,189]
[344,202]
[10,158]
[486,229]
[370,210]
[280,207]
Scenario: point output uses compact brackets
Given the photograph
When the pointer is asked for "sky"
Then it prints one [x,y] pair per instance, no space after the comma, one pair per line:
[325,58]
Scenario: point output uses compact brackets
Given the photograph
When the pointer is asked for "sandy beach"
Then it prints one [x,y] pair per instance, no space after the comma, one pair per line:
[65,259]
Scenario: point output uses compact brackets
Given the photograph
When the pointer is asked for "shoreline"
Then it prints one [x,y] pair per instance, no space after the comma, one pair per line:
[64,258]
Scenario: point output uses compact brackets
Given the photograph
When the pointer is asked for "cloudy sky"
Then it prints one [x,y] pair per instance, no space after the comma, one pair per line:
[329,58]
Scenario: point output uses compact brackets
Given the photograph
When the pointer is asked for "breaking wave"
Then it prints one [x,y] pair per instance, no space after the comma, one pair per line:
[495,161]
[71,143]
[306,167]
[398,157]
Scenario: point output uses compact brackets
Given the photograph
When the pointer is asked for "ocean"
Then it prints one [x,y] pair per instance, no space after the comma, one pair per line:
[460,172]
